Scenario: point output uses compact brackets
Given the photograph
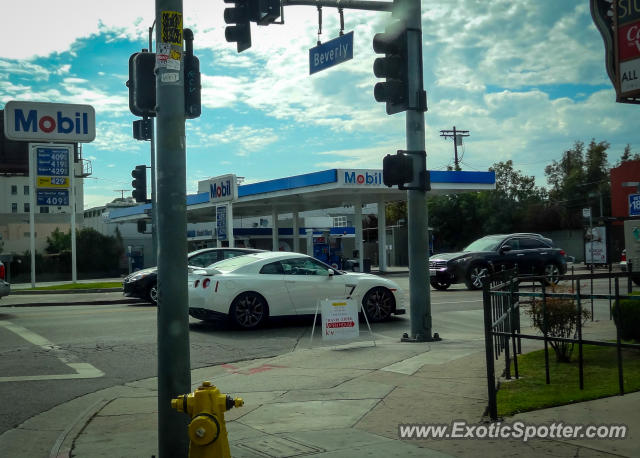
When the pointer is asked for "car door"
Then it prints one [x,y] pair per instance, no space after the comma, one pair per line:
[509,255]
[307,281]
[537,252]
[270,283]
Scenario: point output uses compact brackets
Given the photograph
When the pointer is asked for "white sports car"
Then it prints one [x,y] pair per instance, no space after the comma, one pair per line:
[249,289]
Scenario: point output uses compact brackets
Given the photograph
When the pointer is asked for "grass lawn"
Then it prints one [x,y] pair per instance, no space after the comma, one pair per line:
[97,285]
[531,392]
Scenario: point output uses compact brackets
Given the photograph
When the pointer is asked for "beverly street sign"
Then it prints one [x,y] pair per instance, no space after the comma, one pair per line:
[331,53]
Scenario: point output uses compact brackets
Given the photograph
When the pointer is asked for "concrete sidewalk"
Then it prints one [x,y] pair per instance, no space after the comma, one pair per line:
[326,401]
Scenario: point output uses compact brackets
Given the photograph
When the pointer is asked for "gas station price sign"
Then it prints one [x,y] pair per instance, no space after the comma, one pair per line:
[53,162]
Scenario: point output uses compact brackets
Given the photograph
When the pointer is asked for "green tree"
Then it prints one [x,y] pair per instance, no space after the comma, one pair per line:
[627,156]
[58,242]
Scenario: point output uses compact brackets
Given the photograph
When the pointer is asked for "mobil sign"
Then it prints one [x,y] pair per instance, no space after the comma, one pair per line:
[366,177]
[54,122]
[220,189]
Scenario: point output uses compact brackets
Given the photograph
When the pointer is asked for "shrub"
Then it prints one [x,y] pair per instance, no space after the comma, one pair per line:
[561,321]
[629,321]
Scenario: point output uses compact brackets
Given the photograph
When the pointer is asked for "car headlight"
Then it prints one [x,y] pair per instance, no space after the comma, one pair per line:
[138,277]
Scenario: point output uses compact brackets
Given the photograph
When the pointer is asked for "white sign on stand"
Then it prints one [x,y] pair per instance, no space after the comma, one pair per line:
[339,319]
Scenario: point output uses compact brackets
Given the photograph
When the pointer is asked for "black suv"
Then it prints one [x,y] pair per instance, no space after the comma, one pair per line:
[533,254]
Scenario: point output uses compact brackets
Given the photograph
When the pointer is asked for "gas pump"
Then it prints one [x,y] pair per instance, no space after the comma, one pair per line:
[321,248]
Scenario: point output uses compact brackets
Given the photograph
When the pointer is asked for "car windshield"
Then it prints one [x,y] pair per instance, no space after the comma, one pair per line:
[484,244]
[228,265]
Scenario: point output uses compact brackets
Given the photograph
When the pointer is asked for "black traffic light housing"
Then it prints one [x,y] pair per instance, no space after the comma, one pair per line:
[142,83]
[407,170]
[239,16]
[139,183]
[192,86]
[265,12]
[394,67]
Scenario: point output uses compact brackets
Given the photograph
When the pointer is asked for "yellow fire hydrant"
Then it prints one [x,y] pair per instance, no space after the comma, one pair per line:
[207,431]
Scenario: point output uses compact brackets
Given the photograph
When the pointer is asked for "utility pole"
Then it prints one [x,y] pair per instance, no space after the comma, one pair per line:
[174,376]
[420,294]
[455,134]
[121,191]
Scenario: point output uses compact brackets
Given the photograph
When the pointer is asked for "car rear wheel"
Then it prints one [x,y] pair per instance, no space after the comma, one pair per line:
[152,293]
[439,284]
[551,274]
[249,310]
[475,275]
[378,304]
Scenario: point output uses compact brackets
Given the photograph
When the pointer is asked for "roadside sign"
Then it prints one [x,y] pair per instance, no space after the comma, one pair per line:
[221,222]
[55,122]
[634,204]
[331,53]
[339,319]
[627,51]
[52,197]
[586,212]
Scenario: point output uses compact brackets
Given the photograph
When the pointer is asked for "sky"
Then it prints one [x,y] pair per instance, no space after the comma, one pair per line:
[527,79]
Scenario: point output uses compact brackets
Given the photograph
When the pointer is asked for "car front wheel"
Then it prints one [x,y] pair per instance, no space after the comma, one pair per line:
[378,304]
[249,310]
[475,275]
[439,284]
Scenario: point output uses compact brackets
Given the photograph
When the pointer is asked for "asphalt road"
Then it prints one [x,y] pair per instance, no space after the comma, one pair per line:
[42,347]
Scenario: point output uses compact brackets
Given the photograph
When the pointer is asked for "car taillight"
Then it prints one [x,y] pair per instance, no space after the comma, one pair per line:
[2,272]
[563,253]
[195,285]
[206,282]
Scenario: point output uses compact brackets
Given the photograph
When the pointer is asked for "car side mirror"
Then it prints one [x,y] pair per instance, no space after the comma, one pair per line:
[505,248]
[331,272]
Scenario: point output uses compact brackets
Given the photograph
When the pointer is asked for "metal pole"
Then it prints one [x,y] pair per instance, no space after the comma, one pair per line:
[154,200]
[32,214]
[420,300]
[174,377]
[455,150]
[72,206]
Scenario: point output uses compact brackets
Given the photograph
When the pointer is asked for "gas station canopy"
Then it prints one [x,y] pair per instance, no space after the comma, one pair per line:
[312,191]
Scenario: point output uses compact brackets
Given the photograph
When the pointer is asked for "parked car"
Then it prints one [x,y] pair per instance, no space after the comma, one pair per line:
[248,290]
[143,283]
[532,253]
[5,288]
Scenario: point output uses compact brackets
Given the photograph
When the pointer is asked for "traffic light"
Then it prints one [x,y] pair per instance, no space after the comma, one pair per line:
[142,84]
[265,12]
[139,183]
[397,170]
[240,16]
[192,87]
[393,67]
[406,169]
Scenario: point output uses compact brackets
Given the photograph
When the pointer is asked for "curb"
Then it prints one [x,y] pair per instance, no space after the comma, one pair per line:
[130,301]
[27,292]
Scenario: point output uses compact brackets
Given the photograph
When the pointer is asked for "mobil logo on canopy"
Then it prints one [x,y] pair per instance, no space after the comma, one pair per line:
[362,177]
[40,121]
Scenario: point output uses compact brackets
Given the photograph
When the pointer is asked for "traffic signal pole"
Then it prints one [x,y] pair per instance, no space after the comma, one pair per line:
[174,376]
[410,12]
[419,293]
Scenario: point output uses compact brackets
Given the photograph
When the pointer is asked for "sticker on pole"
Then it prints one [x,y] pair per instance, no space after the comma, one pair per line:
[339,319]
[171,27]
